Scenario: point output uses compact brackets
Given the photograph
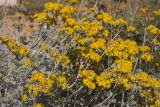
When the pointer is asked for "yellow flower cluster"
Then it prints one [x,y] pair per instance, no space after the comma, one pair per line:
[89,27]
[122,49]
[105,33]
[131,28]
[157,12]
[51,6]
[105,17]
[120,21]
[43,17]
[38,105]
[14,47]
[124,66]
[47,15]
[93,42]
[145,80]
[68,30]
[153,29]
[152,99]
[103,80]
[157,101]
[70,21]
[92,55]
[67,10]
[62,82]
[88,78]
[24,97]
[90,43]
[127,49]
[144,10]
[27,62]
[146,57]
[144,48]
[84,41]
[89,74]
[125,83]
[42,84]
[99,44]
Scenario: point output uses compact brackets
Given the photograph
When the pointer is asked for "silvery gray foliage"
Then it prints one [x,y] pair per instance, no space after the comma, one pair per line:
[13,74]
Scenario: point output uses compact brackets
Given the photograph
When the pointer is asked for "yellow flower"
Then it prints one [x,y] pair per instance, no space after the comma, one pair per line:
[88,83]
[122,49]
[89,27]
[14,47]
[80,48]
[38,76]
[27,62]
[65,60]
[131,28]
[5,38]
[92,10]
[157,103]
[23,51]
[50,6]
[38,105]
[146,80]
[99,44]
[24,97]
[105,17]
[144,10]
[106,33]
[32,89]
[62,82]
[41,84]
[68,10]
[89,74]
[123,66]
[146,57]
[81,41]
[144,48]
[126,84]
[157,12]
[103,82]
[92,55]
[53,76]
[76,27]
[43,17]
[153,29]
[120,21]
[70,21]
[68,30]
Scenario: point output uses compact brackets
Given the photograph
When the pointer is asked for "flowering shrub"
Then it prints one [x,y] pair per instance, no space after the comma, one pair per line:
[91,58]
